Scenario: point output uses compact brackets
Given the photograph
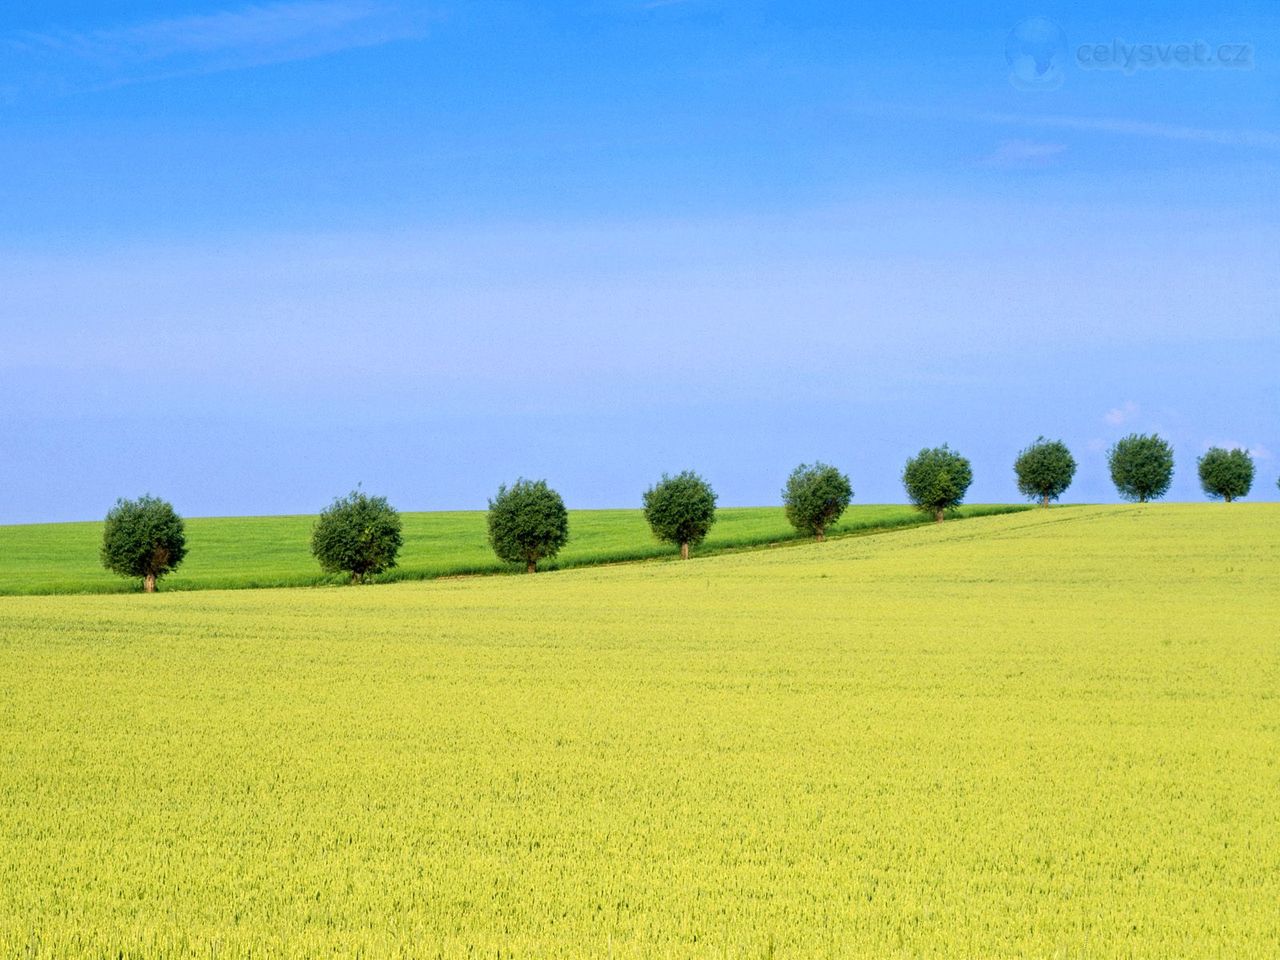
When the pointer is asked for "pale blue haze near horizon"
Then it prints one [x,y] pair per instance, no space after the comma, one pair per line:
[253,254]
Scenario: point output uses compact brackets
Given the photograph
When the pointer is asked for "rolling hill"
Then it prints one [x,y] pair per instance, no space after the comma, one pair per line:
[1046,734]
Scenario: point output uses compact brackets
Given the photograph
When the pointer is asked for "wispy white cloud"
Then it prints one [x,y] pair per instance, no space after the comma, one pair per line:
[231,39]
[1257,450]
[1118,416]
[1140,128]
[1015,154]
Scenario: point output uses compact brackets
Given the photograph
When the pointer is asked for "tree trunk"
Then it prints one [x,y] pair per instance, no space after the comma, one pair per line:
[532,567]
[149,583]
[1227,498]
[1044,500]
[938,514]
[684,550]
[821,534]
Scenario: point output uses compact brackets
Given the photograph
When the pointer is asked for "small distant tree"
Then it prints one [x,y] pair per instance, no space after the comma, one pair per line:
[815,496]
[936,480]
[680,509]
[143,538]
[357,534]
[527,523]
[1226,474]
[1044,470]
[1141,467]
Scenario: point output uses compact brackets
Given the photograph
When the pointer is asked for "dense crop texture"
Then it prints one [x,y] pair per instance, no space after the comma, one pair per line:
[1044,470]
[143,538]
[357,534]
[680,509]
[1045,735]
[527,523]
[815,497]
[1141,467]
[936,480]
[1226,474]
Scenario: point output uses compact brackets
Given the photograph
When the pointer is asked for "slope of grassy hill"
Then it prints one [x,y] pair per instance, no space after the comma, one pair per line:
[1050,734]
[228,552]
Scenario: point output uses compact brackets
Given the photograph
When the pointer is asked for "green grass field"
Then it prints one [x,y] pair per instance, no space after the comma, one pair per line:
[230,552]
[1051,734]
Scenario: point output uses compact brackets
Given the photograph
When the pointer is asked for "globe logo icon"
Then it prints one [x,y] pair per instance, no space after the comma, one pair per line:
[1036,51]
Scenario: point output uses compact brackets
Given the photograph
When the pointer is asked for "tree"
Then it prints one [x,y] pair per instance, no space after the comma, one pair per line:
[1226,474]
[815,496]
[143,538]
[357,534]
[527,523]
[1141,467]
[936,480]
[680,509]
[1044,470]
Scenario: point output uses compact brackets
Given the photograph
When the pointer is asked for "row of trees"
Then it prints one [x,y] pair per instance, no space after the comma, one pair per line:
[361,535]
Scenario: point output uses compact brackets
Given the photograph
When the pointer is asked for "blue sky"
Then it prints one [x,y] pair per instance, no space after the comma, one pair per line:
[253,254]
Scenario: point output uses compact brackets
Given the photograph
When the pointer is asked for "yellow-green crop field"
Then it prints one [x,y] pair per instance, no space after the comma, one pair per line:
[1048,734]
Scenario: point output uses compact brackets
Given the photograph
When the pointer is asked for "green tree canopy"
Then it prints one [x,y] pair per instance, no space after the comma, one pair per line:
[357,534]
[1141,467]
[527,523]
[143,538]
[1226,474]
[936,480]
[680,509]
[1044,470]
[815,497]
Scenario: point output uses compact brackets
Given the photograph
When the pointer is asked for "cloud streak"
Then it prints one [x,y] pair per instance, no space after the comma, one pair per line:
[1018,154]
[248,36]
[1139,128]
[1258,451]
[1118,416]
